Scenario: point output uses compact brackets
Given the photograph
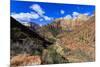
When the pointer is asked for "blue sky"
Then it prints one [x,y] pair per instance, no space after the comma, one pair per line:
[44,13]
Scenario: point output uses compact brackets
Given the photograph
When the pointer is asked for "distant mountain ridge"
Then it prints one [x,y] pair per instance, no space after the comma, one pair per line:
[31,25]
[66,24]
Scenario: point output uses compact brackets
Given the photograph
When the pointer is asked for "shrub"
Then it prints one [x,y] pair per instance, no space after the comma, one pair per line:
[52,55]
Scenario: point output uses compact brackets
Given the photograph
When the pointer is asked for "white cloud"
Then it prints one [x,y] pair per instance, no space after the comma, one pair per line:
[68,17]
[24,22]
[41,19]
[47,18]
[25,17]
[62,11]
[37,8]
[75,14]
[86,14]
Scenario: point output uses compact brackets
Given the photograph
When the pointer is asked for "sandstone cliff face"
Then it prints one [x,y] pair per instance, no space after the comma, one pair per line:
[61,25]
[81,42]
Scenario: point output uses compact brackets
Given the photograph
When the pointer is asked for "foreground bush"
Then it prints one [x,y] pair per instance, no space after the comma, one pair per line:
[53,55]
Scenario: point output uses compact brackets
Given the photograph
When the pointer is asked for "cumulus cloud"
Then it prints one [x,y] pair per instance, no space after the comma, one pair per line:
[37,8]
[41,20]
[68,17]
[48,18]
[28,16]
[75,14]
[86,14]
[25,17]
[62,11]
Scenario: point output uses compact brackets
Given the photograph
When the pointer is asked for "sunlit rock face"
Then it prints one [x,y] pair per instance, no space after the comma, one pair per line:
[25,60]
[68,24]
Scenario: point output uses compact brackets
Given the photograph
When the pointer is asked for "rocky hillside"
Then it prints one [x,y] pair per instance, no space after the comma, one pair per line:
[31,25]
[77,36]
[65,24]
[81,42]
[73,40]
[25,41]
